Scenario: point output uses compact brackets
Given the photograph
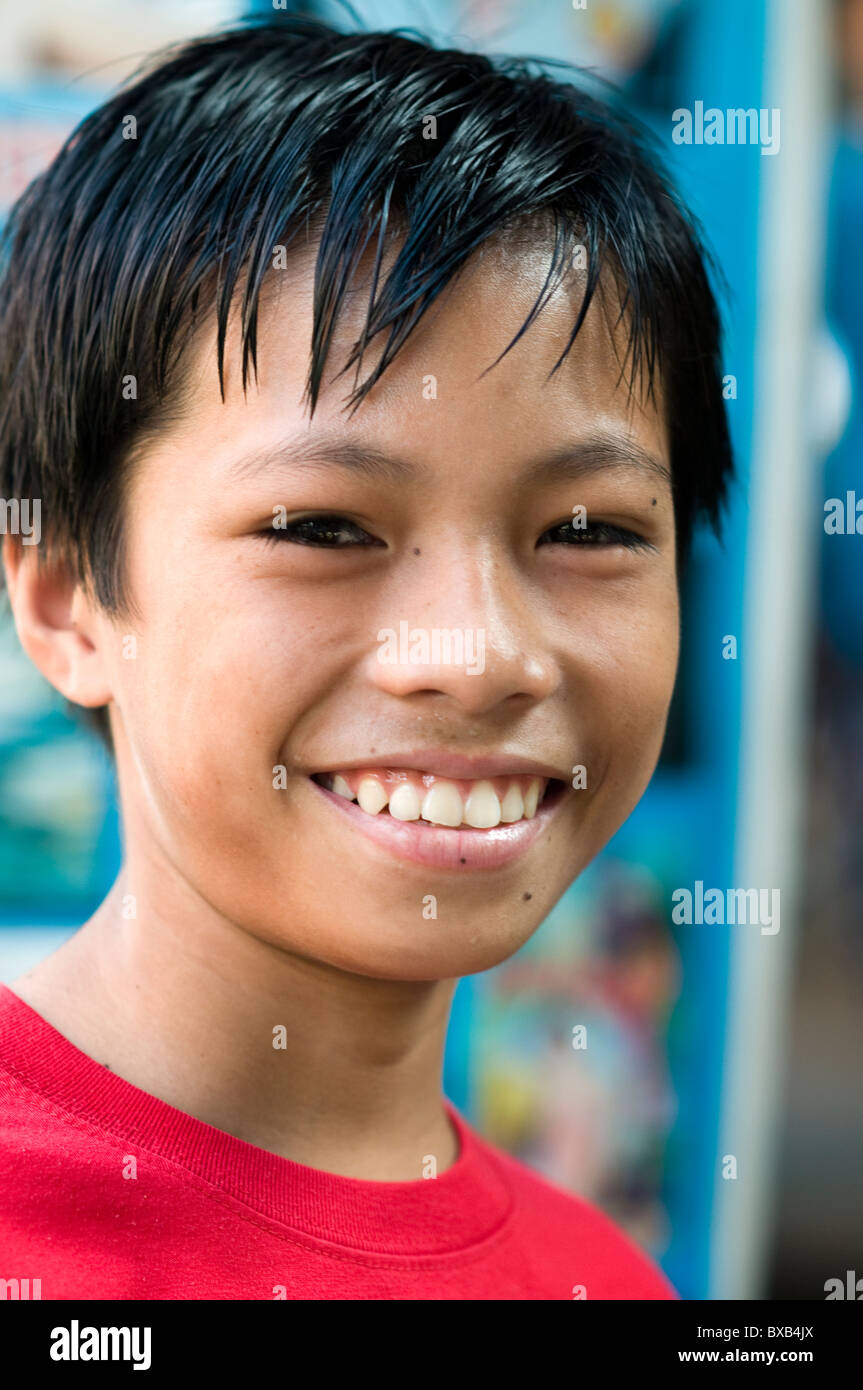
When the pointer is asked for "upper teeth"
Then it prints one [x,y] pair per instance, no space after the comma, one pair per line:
[442,802]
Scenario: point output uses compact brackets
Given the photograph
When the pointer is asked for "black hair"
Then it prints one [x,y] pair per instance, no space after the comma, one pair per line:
[112,256]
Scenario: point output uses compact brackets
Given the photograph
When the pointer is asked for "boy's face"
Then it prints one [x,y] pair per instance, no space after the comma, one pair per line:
[254,652]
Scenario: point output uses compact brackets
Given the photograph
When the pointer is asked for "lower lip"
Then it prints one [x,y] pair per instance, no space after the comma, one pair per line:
[441,848]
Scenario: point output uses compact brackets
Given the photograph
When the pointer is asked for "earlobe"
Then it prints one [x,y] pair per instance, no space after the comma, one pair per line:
[58,625]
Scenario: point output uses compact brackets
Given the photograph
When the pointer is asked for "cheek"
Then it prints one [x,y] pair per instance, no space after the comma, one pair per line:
[649,658]
[649,668]
[224,673]
[204,702]
[630,682]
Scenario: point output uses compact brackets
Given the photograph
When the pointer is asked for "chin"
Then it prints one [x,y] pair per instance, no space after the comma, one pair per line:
[428,950]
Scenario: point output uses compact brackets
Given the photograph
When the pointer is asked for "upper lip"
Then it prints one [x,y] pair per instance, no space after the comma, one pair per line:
[441,763]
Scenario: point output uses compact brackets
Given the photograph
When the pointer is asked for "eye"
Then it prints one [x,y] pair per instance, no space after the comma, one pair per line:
[594,535]
[331,532]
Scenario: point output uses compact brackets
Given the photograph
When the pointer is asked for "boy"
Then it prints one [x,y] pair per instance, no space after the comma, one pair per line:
[371,713]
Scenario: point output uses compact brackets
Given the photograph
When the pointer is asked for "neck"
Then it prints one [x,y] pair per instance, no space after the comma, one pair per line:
[330,1069]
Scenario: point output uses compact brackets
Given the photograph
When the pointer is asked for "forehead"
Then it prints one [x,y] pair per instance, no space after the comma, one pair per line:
[437,395]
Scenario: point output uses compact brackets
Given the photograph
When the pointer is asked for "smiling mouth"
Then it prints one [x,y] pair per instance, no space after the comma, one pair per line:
[407,794]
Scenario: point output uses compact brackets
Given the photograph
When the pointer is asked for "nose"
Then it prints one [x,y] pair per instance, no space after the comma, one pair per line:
[471,638]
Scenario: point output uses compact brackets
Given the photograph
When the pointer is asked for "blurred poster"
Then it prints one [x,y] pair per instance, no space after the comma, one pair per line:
[570,1070]
[612,36]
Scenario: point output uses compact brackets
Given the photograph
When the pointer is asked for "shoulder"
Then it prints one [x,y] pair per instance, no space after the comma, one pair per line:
[602,1259]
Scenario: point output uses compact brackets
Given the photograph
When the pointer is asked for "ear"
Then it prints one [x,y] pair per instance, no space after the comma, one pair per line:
[62,631]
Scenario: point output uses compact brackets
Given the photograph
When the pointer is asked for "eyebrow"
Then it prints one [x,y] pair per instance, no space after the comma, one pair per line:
[603,451]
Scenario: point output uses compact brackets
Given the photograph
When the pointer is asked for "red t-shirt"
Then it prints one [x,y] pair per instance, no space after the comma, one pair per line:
[210,1216]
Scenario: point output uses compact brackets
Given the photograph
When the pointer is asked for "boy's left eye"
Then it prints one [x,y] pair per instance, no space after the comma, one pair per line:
[593,535]
[326,531]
